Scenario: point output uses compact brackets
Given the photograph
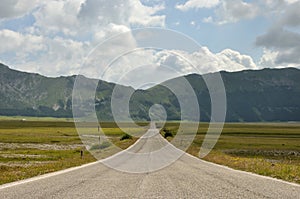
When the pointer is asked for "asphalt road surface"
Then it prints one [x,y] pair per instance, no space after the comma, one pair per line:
[188,177]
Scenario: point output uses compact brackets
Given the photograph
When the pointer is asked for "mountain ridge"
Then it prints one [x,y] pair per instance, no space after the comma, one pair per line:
[252,95]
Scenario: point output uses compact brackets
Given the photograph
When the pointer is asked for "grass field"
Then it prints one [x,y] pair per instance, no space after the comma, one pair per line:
[26,118]
[271,149]
[32,147]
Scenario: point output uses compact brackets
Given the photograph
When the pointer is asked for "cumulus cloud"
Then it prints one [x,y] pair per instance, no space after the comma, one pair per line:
[279,38]
[63,56]
[53,17]
[291,16]
[232,11]
[268,58]
[146,16]
[16,8]
[204,61]
[281,41]
[196,4]
[79,17]
[291,1]
[238,61]
[64,32]
[102,12]
[226,11]
[235,10]
[142,67]
[52,57]
[14,42]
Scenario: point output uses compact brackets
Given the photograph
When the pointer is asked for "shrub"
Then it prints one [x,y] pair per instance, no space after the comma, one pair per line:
[103,145]
[126,137]
[168,133]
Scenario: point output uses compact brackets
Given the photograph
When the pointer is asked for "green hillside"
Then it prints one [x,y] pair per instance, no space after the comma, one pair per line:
[252,96]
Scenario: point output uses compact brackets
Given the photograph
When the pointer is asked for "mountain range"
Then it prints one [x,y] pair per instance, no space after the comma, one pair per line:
[252,95]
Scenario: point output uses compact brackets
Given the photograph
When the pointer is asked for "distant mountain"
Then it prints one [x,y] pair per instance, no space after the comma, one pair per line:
[264,95]
[34,95]
[29,94]
[252,96]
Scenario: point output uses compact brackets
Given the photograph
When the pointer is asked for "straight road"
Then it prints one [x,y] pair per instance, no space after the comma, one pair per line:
[188,177]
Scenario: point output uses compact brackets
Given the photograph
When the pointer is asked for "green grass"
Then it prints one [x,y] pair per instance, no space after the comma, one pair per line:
[271,149]
[103,145]
[33,147]
[53,160]
[26,118]
[36,146]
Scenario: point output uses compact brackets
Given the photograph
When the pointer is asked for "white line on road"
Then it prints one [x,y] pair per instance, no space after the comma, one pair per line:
[244,172]
[48,175]
[97,162]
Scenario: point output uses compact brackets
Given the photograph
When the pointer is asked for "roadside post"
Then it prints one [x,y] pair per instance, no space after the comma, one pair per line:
[81,154]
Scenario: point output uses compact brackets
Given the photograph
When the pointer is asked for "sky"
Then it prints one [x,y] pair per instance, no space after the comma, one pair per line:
[65,37]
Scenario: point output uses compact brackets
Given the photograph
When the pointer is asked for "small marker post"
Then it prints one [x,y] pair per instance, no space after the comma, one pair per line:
[81,154]
[99,135]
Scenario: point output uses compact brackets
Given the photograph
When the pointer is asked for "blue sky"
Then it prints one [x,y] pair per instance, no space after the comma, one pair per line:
[54,37]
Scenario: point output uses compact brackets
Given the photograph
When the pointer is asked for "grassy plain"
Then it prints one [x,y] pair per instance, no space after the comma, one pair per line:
[270,149]
[33,147]
[37,146]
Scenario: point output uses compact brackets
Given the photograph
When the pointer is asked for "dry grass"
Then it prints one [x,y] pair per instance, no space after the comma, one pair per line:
[266,149]
[31,148]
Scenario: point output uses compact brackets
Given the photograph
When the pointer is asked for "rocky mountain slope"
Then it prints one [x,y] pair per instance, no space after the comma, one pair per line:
[264,95]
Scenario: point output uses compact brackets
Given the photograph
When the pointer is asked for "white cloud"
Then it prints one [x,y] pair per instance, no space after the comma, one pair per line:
[16,8]
[15,42]
[291,1]
[108,31]
[58,16]
[145,16]
[62,57]
[196,4]
[280,41]
[203,61]
[81,18]
[232,11]
[65,31]
[102,12]
[151,66]
[238,61]
[59,56]
[268,58]
[207,20]
[52,57]
[101,57]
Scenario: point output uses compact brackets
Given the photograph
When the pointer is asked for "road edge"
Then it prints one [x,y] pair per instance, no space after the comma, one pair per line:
[244,172]
[47,175]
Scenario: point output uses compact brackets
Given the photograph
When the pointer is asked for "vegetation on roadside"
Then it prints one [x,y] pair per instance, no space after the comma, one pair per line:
[167,133]
[103,145]
[126,137]
[270,149]
[30,148]
[25,163]
[33,147]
